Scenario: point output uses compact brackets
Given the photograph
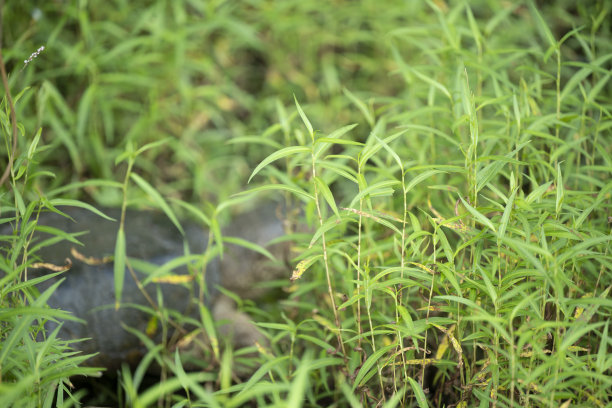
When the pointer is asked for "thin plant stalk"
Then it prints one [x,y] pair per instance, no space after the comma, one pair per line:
[326,263]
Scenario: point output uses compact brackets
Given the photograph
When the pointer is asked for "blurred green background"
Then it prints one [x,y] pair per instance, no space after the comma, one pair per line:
[203,74]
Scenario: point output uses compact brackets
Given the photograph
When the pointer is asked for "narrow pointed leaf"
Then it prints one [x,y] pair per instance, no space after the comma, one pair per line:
[304,118]
[375,357]
[158,199]
[119,266]
[478,216]
[287,151]
[327,194]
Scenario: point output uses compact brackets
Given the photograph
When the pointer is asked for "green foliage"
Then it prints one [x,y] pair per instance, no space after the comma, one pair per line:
[452,161]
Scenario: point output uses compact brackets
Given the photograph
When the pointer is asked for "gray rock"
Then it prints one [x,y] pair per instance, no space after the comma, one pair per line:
[89,292]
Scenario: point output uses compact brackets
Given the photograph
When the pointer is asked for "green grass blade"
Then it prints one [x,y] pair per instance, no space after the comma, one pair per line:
[478,216]
[303,195]
[158,199]
[119,265]
[371,361]
[419,178]
[505,219]
[75,203]
[327,194]
[361,106]
[300,382]
[304,118]
[287,151]
[418,393]
[560,191]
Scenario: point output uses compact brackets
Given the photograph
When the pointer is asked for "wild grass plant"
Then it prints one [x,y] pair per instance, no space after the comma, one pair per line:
[451,161]
[35,365]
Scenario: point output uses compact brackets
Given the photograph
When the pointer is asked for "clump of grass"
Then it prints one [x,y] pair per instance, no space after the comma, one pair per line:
[35,365]
[465,239]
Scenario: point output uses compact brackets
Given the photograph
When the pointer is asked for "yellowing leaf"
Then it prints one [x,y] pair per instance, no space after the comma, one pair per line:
[325,323]
[89,260]
[53,267]
[302,267]
[173,279]
[421,361]
[151,326]
[423,267]
[299,270]
[442,348]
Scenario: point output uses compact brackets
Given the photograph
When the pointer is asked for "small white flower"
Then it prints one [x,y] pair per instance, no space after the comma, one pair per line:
[37,14]
[34,55]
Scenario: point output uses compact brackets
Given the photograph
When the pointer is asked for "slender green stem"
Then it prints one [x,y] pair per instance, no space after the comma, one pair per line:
[326,264]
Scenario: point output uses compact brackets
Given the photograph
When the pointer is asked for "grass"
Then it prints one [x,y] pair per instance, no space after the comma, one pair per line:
[452,162]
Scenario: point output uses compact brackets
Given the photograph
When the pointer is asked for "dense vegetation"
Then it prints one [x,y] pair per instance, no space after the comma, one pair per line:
[451,159]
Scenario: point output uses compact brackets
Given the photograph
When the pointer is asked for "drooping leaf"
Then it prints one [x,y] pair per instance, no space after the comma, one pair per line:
[287,151]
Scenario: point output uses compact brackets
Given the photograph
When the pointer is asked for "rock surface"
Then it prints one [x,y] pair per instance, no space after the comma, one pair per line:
[89,292]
